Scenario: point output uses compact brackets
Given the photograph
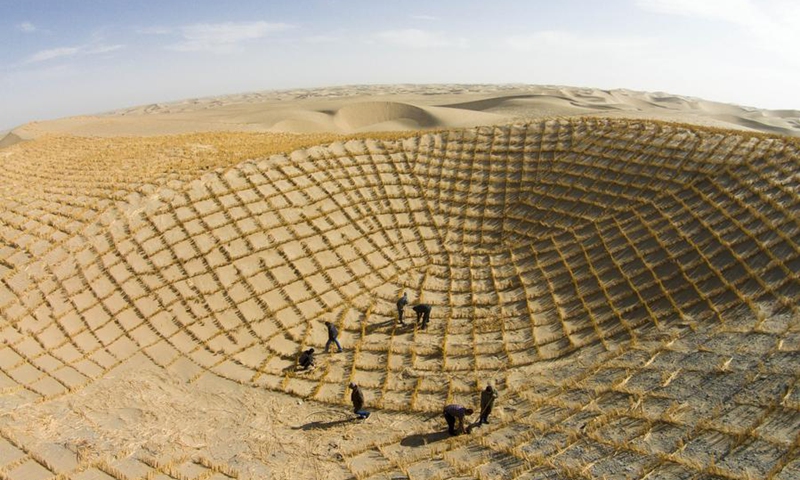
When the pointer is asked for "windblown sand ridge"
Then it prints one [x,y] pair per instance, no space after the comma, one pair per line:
[630,287]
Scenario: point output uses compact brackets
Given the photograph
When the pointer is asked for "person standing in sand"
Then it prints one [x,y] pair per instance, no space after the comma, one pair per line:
[333,336]
[488,397]
[424,312]
[357,397]
[401,305]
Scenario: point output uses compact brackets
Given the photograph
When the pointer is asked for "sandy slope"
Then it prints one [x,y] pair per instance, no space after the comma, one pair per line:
[8,138]
[376,108]
[630,287]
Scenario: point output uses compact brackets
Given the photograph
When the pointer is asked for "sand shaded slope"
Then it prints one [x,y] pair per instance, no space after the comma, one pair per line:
[630,287]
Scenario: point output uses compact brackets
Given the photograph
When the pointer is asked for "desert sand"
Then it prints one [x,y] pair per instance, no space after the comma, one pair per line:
[353,109]
[621,266]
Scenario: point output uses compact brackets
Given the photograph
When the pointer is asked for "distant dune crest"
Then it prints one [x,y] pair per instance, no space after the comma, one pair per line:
[410,107]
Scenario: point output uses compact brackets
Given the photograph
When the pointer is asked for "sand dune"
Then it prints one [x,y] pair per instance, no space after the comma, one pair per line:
[363,114]
[355,109]
[629,286]
[8,139]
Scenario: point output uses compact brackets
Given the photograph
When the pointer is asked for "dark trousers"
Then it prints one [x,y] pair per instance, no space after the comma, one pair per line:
[400,314]
[425,316]
[451,423]
[485,412]
[333,340]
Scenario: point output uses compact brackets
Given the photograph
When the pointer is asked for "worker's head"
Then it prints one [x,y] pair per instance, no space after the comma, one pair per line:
[327,323]
[353,385]
[489,388]
[469,411]
[310,350]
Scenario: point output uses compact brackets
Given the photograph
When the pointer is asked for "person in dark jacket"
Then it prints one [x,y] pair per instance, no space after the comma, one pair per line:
[488,395]
[357,397]
[333,336]
[454,415]
[306,359]
[401,304]
[424,312]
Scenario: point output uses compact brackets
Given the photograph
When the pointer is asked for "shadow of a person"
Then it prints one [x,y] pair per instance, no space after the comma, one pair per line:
[420,439]
[317,425]
[379,326]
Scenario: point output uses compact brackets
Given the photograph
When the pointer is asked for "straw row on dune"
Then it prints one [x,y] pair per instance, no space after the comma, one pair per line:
[630,287]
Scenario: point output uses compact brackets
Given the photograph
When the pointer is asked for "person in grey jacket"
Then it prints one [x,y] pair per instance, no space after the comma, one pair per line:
[333,336]
[401,304]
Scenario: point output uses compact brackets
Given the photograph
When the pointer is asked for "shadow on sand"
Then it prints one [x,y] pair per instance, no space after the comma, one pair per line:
[317,425]
[420,439]
[387,325]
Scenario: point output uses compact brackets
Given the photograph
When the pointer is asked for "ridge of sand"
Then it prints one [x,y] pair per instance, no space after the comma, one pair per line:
[630,287]
[352,109]
[9,139]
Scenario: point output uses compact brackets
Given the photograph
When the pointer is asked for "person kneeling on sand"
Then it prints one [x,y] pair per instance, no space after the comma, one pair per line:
[454,415]
[306,359]
[358,402]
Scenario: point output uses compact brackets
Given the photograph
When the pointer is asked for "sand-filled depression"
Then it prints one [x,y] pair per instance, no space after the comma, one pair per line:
[629,287]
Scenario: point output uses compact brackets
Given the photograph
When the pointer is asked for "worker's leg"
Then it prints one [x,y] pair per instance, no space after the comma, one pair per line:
[336,341]
[451,423]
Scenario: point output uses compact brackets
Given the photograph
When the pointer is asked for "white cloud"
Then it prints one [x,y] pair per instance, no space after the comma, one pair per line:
[50,54]
[102,49]
[27,27]
[415,38]
[569,42]
[738,11]
[155,30]
[223,37]
[772,24]
[64,52]
[318,39]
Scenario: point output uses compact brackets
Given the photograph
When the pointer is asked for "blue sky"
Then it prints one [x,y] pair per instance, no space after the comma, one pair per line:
[69,57]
